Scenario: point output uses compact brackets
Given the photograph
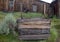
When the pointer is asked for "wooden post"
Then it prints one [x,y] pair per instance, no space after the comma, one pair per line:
[44,8]
[59,9]
[45,15]
[6,5]
[21,6]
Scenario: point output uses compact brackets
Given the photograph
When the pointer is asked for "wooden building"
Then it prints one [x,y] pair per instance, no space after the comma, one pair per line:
[1,5]
[21,5]
[56,7]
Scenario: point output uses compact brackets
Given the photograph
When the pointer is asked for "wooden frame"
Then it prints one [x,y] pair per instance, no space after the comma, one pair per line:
[30,29]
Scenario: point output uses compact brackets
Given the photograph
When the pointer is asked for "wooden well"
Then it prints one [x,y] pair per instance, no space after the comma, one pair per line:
[34,29]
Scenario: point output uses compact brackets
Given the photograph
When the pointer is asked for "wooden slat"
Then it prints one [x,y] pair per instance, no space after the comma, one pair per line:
[36,22]
[33,20]
[33,26]
[43,23]
[34,37]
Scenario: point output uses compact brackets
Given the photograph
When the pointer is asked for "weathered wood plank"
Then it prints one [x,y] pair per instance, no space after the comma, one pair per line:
[33,20]
[34,37]
[33,26]
[31,29]
[36,22]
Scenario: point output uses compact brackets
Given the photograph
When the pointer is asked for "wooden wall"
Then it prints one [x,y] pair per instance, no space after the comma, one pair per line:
[42,7]
[56,7]
[1,4]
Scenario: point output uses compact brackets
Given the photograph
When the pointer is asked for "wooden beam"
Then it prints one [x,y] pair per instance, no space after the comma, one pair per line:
[34,37]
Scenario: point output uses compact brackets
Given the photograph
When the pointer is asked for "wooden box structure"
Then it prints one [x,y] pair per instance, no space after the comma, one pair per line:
[34,29]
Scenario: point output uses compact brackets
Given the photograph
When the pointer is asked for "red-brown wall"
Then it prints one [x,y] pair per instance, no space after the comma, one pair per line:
[42,7]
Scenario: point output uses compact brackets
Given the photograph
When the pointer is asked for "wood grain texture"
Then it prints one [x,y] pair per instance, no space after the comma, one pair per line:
[34,29]
[4,4]
[34,37]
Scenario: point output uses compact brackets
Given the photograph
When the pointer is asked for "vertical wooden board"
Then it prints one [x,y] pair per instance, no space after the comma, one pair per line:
[44,8]
[1,4]
[6,5]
